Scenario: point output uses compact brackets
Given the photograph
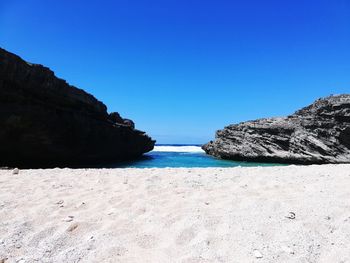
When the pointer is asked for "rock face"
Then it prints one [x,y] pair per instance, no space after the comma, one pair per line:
[317,134]
[46,122]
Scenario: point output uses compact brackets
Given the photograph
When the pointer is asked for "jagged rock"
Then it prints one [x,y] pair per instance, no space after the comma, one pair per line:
[317,134]
[46,122]
[129,123]
[116,118]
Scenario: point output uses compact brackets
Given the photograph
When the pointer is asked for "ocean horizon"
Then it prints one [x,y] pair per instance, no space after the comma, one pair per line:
[183,156]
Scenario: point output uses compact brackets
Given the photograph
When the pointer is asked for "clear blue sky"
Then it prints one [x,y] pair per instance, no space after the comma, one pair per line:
[181,69]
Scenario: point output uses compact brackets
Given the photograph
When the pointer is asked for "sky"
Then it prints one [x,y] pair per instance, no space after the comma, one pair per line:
[182,69]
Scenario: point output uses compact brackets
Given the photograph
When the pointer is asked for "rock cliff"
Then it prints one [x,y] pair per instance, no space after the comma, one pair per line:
[317,134]
[46,122]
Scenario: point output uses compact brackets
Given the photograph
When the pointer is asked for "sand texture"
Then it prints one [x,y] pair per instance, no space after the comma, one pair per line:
[274,214]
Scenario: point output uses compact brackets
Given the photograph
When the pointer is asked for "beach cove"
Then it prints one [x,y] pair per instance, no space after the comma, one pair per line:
[174,131]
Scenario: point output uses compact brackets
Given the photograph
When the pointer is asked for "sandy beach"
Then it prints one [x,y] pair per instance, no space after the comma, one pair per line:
[271,214]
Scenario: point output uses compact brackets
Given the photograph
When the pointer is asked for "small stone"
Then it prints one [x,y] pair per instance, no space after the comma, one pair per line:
[69,219]
[207,203]
[291,215]
[72,227]
[60,202]
[18,246]
[15,171]
[257,254]
[3,260]
[71,216]
[327,218]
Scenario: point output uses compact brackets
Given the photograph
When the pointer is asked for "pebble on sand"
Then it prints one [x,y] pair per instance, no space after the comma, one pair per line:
[69,219]
[72,227]
[291,215]
[15,171]
[257,253]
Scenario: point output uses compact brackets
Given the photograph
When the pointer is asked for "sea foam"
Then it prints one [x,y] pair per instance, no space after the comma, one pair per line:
[192,148]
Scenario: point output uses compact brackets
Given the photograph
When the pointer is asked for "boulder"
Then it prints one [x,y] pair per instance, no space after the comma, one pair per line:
[316,134]
[45,122]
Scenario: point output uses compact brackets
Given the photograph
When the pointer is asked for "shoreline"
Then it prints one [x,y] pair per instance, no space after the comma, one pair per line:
[288,213]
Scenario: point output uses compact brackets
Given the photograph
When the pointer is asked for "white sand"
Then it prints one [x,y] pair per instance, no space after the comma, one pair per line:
[176,215]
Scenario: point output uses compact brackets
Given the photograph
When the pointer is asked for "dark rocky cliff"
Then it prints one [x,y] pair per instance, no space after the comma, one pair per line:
[45,122]
[317,134]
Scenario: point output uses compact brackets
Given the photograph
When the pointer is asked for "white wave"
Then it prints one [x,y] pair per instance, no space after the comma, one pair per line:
[193,149]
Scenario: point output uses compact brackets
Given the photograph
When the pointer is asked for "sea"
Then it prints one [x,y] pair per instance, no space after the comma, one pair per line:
[182,155]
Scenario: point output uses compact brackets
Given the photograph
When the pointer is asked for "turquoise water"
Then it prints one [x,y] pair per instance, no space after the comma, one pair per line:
[181,156]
